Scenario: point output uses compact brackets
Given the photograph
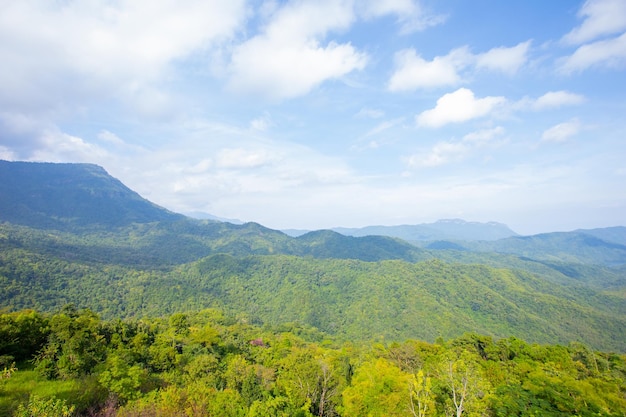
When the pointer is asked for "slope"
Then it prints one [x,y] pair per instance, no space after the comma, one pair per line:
[48,195]
[578,247]
[351,299]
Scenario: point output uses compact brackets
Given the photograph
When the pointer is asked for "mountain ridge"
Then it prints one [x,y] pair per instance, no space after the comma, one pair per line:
[546,288]
[60,195]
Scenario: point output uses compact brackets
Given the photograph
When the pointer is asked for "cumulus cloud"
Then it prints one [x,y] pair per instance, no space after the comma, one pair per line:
[456,107]
[288,58]
[562,132]
[609,53]
[507,60]
[601,18]
[83,48]
[449,151]
[554,99]
[412,72]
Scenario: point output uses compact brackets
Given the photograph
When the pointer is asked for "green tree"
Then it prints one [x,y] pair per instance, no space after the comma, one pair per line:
[464,388]
[123,379]
[379,388]
[422,401]
[39,407]
[75,345]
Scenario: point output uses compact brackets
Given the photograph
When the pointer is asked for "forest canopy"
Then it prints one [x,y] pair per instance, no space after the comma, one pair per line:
[208,364]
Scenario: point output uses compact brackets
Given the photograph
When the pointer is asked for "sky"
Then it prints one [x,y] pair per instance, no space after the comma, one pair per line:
[315,114]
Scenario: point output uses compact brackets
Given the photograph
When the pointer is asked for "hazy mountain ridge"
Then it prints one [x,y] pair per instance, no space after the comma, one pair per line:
[578,246]
[446,229]
[64,195]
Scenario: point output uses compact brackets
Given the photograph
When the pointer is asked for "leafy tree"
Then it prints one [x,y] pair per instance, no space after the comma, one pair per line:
[40,407]
[123,379]
[422,401]
[463,387]
[75,345]
[379,388]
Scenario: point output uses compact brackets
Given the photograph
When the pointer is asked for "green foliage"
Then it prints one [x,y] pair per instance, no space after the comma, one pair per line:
[74,345]
[51,407]
[352,299]
[206,364]
[378,389]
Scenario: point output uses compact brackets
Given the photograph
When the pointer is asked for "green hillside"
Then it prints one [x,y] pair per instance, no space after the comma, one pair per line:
[73,234]
[352,299]
[581,247]
[50,195]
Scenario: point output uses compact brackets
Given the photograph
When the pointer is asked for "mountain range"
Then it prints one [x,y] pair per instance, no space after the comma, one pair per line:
[70,233]
[448,229]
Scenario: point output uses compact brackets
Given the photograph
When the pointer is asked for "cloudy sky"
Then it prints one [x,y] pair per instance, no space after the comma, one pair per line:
[321,113]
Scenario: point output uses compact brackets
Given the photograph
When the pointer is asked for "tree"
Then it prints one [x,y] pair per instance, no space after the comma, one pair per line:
[75,345]
[463,384]
[379,389]
[422,401]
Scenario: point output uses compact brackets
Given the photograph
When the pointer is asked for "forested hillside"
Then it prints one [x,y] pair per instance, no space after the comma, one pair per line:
[47,195]
[211,318]
[350,298]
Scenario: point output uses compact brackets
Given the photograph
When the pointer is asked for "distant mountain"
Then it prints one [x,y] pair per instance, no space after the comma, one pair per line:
[451,229]
[325,244]
[48,195]
[583,247]
[200,215]
[608,234]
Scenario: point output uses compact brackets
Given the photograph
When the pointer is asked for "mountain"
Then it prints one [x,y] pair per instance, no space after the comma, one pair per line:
[584,247]
[452,229]
[70,233]
[200,215]
[608,234]
[48,195]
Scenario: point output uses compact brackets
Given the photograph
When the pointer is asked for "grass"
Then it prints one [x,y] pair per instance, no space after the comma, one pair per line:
[26,382]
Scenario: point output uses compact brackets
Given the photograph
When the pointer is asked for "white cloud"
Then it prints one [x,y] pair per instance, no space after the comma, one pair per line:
[459,106]
[610,53]
[440,154]
[562,131]
[56,51]
[449,151]
[413,72]
[288,59]
[110,137]
[484,136]
[554,99]
[507,60]
[239,158]
[58,146]
[601,18]
[261,123]
[410,14]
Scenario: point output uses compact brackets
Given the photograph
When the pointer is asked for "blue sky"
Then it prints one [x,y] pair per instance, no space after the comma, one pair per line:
[316,114]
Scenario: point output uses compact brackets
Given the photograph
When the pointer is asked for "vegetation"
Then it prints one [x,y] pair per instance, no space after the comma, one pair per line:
[112,306]
[351,299]
[208,364]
